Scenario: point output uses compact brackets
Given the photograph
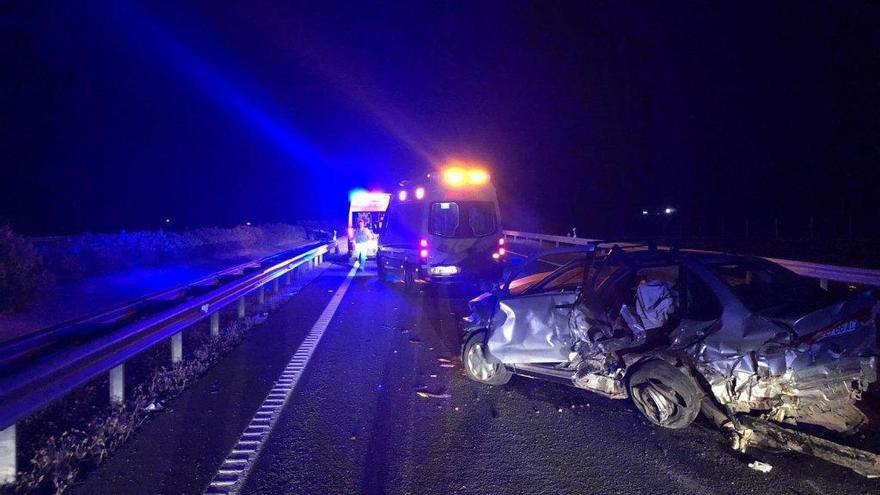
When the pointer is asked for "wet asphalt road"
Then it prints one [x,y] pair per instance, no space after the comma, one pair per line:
[356,425]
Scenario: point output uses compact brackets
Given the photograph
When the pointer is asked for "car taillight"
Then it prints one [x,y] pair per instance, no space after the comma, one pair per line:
[501,241]
[501,251]
[423,253]
[423,243]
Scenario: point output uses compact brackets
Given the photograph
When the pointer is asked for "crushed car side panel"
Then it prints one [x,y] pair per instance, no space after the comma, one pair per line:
[532,329]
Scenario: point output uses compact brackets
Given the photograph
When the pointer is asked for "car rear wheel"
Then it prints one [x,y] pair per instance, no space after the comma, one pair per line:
[478,367]
[380,268]
[664,395]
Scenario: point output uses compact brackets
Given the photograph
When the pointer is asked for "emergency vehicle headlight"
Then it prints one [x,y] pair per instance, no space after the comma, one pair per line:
[444,270]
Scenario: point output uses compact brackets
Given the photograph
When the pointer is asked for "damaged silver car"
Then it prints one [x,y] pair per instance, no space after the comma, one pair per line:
[758,349]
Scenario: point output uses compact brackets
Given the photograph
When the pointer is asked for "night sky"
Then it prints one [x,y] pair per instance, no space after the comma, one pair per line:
[120,114]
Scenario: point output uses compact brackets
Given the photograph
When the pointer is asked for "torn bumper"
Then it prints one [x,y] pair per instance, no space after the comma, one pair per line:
[758,432]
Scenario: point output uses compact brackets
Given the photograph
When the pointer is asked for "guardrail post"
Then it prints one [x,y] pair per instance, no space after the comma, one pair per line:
[215,324]
[823,283]
[7,455]
[241,312]
[261,295]
[117,384]
[177,348]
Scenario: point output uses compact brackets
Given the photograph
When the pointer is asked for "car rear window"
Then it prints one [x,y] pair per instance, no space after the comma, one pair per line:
[463,219]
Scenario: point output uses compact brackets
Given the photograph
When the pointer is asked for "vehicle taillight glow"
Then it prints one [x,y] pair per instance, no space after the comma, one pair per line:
[501,241]
[423,253]
[423,243]
[502,251]
[402,195]
[420,192]
[495,256]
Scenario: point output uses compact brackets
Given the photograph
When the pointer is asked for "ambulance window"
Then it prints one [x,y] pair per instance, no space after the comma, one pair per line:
[463,219]
[481,218]
[444,219]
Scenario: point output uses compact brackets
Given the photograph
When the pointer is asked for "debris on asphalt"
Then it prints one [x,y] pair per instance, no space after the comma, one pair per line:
[433,375]
[760,466]
[447,365]
[413,340]
[432,395]
[444,360]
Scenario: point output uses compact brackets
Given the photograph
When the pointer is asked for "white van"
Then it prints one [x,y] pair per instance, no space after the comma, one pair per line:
[444,228]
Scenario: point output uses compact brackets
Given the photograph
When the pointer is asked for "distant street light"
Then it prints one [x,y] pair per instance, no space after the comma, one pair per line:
[669,210]
[248,224]
[644,212]
[167,220]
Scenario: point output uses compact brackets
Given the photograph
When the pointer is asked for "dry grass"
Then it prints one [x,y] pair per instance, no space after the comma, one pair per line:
[62,460]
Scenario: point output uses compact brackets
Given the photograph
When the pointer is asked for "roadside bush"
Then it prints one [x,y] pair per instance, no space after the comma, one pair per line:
[22,273]
[92,254]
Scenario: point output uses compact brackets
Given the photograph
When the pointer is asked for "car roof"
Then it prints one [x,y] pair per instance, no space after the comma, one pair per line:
[645,256]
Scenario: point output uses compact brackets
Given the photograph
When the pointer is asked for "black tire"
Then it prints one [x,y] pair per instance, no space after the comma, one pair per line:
[409,280]
[477,367]
[664,394]
[380,269]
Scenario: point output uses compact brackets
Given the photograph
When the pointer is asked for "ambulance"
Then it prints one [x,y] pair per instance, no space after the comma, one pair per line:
[443,228]
[369,207]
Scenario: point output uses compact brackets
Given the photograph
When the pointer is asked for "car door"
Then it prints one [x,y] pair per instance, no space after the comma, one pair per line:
[531,324]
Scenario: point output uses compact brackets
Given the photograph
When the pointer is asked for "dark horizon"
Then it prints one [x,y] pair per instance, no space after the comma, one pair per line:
[121,114]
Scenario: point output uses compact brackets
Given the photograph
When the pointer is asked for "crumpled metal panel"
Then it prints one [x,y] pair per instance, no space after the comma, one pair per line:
[532,329]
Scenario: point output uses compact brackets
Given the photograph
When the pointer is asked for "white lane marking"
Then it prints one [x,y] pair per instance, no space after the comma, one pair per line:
[516,254]
[233,472]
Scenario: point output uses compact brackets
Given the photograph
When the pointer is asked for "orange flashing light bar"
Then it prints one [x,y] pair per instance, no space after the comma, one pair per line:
[460,176]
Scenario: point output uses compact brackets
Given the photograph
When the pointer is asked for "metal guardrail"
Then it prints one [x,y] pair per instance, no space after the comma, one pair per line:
[37,369]
[836,273]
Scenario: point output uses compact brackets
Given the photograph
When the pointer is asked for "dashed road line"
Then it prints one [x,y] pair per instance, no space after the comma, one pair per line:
[232,473]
